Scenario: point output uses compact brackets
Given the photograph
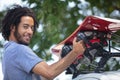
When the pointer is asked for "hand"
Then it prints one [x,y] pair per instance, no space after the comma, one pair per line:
[78,46]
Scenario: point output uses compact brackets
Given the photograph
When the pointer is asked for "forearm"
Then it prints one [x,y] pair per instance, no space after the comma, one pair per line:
[51,71]
[62,64]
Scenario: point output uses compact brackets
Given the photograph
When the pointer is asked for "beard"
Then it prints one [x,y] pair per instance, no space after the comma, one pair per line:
[20,39]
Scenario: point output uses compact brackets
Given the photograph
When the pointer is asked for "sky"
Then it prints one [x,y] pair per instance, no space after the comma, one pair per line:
[5,3]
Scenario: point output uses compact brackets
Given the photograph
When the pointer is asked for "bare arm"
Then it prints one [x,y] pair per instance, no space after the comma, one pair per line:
[51,71]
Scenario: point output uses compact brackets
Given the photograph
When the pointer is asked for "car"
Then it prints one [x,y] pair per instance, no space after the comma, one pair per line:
[108,75]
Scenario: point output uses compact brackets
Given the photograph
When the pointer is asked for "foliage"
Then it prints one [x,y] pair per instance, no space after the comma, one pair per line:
[59,19]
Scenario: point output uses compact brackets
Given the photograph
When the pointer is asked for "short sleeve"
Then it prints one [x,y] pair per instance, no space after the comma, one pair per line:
[26,58]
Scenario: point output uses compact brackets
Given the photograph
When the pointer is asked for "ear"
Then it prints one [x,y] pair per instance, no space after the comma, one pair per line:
[12,28]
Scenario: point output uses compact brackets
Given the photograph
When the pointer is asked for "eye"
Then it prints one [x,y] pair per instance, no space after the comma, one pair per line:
[32,28]
[26,27]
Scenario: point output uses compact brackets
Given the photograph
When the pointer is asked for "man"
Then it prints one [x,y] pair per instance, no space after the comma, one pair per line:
[19,61]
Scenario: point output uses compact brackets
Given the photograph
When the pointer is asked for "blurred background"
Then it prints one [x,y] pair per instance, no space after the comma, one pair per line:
[57,20]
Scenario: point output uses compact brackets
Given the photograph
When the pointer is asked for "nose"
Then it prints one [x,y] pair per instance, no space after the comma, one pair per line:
[30,30]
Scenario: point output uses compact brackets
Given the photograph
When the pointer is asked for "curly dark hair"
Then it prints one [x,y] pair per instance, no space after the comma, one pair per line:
[13,17]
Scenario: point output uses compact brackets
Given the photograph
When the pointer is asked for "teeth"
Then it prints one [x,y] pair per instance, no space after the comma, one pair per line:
[28,37]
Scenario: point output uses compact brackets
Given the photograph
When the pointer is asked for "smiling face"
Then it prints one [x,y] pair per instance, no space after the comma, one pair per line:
[24,32]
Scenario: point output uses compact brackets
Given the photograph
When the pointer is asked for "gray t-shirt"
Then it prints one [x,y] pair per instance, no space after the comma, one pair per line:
[18,61]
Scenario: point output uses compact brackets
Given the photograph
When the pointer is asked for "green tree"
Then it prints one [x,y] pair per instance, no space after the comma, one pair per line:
[59,19]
